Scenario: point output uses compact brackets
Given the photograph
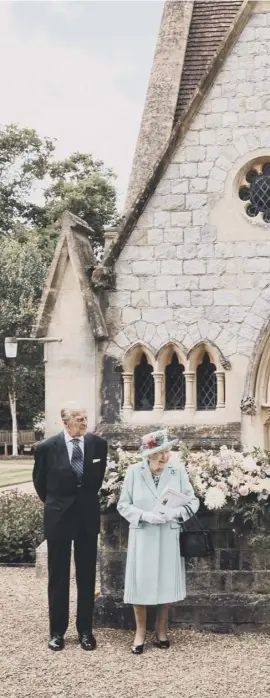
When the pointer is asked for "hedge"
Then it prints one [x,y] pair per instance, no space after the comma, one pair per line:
[21,527]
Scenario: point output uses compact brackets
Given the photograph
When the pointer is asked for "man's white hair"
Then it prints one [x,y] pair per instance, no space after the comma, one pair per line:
[70,409]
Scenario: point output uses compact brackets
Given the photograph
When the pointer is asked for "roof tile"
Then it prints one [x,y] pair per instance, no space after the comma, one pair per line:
[211,20]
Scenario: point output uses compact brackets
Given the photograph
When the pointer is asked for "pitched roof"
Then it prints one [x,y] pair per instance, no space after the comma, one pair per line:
[210,23]
[234,23]
[74,245]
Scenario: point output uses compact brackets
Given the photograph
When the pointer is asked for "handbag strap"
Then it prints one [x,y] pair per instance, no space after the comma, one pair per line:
[192,515]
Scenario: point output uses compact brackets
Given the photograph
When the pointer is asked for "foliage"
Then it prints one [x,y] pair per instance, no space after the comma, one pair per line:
[23,272]
[84,187]
[229,476]
[115,475]
[28,235]
[39,422]
[21,527]
[78,183]
[240,481]
[24,159]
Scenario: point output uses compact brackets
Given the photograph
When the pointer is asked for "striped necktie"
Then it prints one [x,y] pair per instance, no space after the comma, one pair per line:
[77,459]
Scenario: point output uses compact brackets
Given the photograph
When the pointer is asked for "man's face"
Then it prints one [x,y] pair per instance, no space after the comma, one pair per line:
[76,425]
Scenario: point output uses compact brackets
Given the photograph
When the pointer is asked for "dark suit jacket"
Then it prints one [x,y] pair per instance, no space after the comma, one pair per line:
[69,505]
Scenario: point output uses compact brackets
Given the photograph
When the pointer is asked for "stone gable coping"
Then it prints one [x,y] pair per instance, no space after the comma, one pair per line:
[74,245]
[162,93]
[178,133]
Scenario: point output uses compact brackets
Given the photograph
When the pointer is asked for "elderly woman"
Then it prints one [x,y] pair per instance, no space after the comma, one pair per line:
[155,571]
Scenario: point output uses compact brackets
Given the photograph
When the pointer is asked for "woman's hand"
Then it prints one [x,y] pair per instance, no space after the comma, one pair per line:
[152,518]
[173,514]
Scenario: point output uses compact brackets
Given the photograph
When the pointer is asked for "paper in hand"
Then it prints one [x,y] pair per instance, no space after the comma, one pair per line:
[170,499]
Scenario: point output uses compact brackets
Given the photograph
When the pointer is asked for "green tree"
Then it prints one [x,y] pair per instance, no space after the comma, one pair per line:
[24,159]
[23,272]
[79,183]
[84,187]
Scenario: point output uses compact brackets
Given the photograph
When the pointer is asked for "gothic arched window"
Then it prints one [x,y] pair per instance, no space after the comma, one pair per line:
[206,384]
[175,385]
[143,385]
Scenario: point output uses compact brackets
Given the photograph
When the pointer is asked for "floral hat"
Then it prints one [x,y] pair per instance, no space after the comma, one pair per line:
[155,442]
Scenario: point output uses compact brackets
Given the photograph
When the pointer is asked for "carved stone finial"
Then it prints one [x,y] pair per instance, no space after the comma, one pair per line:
[248,405]
[103,279]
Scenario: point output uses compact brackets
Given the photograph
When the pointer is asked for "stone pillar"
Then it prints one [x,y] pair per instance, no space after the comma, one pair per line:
[190,399]
[220,388]
[158,381]
[127,379]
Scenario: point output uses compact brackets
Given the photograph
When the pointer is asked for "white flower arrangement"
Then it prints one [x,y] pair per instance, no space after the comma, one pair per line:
[227,477]
[114,476]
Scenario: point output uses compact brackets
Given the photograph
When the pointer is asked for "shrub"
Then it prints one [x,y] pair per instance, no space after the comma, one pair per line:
[21,527]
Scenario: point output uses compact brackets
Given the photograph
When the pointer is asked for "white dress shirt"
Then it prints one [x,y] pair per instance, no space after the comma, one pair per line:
[69,443]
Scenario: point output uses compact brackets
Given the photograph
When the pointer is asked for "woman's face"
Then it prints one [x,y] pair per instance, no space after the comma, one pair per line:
[160,458]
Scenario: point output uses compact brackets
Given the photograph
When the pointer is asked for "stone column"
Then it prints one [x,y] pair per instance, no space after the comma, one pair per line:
[127,379]
[158,381]
[220,388]
[190,399]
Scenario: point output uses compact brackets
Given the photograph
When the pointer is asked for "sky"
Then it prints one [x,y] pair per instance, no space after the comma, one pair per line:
[78,71]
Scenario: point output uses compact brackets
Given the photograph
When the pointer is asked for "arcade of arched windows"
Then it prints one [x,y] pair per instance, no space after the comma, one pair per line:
[173,380]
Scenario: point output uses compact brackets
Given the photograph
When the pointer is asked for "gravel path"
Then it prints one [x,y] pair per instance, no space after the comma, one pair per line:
[198,665]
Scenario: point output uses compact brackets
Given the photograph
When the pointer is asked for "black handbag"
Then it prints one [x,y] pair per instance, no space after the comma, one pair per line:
[195,541]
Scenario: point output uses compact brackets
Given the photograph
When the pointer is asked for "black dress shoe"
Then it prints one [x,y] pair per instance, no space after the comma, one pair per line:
[161,644]
[137,649]
[56,643]
[87,641]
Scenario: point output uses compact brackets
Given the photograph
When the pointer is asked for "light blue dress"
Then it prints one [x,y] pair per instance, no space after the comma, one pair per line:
[155,571]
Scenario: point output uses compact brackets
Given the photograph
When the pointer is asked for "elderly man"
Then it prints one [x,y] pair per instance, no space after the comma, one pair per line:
[68,473]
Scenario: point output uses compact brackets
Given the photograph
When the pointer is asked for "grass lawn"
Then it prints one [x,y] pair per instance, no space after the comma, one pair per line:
[14,473]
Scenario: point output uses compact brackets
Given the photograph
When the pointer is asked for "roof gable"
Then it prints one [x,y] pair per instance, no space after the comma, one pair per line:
[73,245]
[181,127]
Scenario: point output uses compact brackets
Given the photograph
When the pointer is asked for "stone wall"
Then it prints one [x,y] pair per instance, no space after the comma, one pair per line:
[228,593]
[194,437]
[195,267]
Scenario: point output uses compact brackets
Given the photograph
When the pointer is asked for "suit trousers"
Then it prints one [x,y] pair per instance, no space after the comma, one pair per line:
[85,558]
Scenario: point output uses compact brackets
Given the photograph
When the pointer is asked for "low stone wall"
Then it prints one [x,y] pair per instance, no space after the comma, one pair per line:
[195,437]
[227,593]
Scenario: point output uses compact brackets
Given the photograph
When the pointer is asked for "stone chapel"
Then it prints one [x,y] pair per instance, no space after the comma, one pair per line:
[172,328]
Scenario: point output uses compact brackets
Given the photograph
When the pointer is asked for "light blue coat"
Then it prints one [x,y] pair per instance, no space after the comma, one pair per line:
[155,571]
